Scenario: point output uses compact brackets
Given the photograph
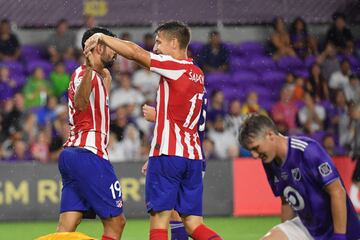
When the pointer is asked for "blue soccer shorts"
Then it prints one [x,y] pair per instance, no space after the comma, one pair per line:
[174,183]
[89,184]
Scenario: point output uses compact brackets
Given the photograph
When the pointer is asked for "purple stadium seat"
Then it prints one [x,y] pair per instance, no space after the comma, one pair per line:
[272,79]
[262,63]
[195,47]
[231,93]
[70,66]
[302,72]
[289,63]
[14,66]
[244,78]
[45,65]
[31,52]
[238,63]
[217,80]
[251,48]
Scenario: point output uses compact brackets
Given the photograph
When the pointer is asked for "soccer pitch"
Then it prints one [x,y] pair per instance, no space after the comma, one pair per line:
[137,229]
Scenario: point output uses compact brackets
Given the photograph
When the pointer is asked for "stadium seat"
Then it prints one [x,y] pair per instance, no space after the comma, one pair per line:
[31,52]
[251,48]
[262,63]
[45,65]
[289,63]
[244,78]
[15,67]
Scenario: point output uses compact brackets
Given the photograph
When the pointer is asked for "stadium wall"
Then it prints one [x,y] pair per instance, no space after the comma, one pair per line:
[31,191]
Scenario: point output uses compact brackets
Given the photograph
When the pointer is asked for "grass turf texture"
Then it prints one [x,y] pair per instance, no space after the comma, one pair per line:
[137,229]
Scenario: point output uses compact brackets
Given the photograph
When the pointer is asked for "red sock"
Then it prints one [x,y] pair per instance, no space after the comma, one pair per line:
[158,234]
[202,232]
[107,238]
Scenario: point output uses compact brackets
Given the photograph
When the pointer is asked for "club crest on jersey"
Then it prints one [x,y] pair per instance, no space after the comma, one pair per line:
[296,174]
[325,169]
[284,176]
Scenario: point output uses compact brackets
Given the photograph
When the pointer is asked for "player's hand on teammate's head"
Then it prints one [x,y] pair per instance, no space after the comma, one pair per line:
[92,41]
[89,59]
[149,113]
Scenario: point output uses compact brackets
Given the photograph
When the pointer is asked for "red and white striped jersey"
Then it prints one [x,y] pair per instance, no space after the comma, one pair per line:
[178,107]
[89,129]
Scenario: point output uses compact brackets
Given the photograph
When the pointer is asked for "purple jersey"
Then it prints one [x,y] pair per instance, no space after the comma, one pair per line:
[301,180]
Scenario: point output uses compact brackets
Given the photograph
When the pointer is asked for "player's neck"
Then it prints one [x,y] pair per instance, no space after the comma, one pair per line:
[282,149]
[180,55]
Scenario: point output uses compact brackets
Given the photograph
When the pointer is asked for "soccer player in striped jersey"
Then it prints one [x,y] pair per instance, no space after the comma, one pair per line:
[178,231]
[315,205]
[90,186]
[174,174]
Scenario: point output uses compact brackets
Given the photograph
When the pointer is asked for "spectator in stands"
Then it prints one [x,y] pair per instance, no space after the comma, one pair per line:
[115,150]
[302,42]
[89,22]
[127,95]
[30,128]
[328,61]
[224,140]
[131,143]
[340,79]
[214,56]
[7,85]
[13,112]
[119,123]
[208,148]
[298,91]
[9,43]
[149,42]
[352,90]
[61,44]
[251,105]
[47,113]
[40,148]
[147,82]
[36,89]
[336,111]
[284,111]
[317,85]
[347,124]
[20,152]
[280,40]
[311,115]
[121,64]
[340,35]
[59,132]
[59,79]
[216,107]
[328,143]
[234,118]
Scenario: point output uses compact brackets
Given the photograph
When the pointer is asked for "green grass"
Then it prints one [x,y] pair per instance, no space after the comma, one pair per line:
[137,229]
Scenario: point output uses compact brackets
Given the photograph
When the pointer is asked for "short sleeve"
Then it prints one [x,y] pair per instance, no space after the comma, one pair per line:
[321,165]
[167,66]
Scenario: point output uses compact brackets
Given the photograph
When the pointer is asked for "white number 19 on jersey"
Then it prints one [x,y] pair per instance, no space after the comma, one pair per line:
[115,187]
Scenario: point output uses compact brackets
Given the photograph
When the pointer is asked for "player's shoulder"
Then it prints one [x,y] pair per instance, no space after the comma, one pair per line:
[300,143]
[79,71]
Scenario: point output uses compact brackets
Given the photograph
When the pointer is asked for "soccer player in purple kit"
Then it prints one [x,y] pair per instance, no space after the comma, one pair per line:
[314,202]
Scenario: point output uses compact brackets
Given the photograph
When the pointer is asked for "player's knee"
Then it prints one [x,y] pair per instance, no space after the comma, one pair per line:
[275,234]
[67,226]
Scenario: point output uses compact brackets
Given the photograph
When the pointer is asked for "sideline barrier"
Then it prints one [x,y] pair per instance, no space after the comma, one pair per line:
[31,190]
[253,195]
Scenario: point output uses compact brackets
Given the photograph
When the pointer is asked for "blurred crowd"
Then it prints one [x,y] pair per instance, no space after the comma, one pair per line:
[323,103]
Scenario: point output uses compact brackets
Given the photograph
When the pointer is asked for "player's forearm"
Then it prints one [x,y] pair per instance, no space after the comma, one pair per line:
[83,92]
[127,49]
[338,209]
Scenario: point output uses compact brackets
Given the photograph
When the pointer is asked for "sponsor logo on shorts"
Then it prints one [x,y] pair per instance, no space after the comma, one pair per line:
[325,169]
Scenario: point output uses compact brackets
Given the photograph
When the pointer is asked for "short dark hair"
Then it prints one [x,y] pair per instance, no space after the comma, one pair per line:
[94,30]
[176,29]
[253,125]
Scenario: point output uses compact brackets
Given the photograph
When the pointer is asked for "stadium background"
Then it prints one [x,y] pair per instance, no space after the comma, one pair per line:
[235,186]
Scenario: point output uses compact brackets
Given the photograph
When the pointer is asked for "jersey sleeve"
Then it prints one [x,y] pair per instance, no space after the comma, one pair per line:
[167,66]
[321,165]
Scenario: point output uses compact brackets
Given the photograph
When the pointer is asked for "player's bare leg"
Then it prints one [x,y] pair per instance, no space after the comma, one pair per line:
[195,227]
[275,234]
[114,227]
[159,223]
[68,221]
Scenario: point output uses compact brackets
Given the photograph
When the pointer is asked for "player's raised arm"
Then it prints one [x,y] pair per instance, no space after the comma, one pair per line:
[124,48]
